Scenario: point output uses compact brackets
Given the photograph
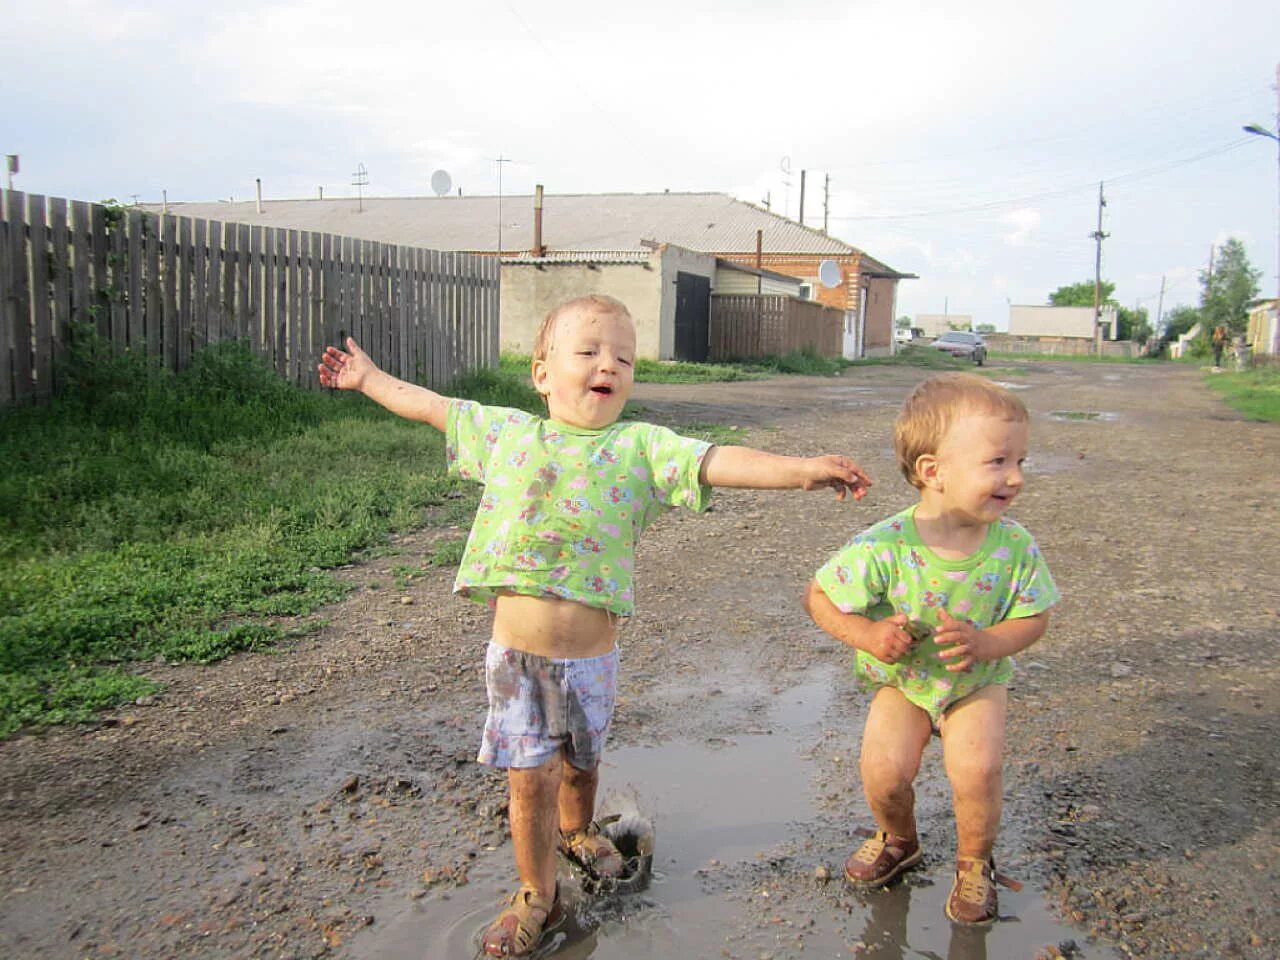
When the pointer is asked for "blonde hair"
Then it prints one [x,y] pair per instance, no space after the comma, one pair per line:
[934,405]
[598,303]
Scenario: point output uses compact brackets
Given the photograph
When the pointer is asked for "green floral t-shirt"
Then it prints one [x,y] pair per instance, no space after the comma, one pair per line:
[886,569]
[563,506]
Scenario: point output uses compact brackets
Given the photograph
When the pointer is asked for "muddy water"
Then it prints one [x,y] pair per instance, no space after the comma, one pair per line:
[727,812]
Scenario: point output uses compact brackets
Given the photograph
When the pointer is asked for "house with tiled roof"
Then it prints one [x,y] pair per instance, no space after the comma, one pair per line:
[658,252]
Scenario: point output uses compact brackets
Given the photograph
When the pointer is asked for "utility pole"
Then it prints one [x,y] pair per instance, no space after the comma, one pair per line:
[1098,237]
[500,160]
[802,176]
[1159,310]
[826,201]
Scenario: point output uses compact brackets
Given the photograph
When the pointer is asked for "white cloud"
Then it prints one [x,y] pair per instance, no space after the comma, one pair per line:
[1023,222]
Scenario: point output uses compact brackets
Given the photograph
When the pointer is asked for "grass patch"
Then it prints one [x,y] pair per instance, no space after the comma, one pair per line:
[914,355]
[149,515]
[1254,393]
[804,362]
[1071,357]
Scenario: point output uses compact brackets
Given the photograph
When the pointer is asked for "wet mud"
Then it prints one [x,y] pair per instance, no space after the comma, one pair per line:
[322,800]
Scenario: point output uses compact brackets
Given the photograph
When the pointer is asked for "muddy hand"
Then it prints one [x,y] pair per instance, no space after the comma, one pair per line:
[344,370]
[960,640]
[840,473]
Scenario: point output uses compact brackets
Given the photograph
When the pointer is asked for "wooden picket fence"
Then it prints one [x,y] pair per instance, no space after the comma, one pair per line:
[170,285]
[744,326]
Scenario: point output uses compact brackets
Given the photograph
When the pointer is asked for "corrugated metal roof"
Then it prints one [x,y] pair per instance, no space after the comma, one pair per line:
[705,222]
[583,256]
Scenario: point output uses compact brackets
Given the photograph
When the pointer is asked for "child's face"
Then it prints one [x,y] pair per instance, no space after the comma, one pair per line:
[587,374]
[979,466]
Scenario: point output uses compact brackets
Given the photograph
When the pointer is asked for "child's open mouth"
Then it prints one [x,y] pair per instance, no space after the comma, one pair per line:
[602,391]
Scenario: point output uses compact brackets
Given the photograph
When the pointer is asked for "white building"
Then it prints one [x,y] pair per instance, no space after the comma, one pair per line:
[1044,321]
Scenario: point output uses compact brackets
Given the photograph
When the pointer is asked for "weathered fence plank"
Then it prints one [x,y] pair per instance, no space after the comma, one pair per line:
[173,285]
[60,320]
[40,358]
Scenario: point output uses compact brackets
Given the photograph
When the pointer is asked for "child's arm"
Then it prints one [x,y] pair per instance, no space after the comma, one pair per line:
[356,371]
[965,644]
[886,640]
[758,470]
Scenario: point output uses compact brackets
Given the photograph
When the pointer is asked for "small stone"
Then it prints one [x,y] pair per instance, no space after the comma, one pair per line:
[406,601]
[822,874]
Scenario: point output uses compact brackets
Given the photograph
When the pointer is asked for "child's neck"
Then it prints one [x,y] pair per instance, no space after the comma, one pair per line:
[949,535]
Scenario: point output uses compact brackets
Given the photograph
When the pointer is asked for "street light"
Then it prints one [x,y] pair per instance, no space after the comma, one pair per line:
[1259,130]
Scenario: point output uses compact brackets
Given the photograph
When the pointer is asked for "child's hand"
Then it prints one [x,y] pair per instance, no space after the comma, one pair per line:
[345,371]
[838,472]
[887,640]
[962,640]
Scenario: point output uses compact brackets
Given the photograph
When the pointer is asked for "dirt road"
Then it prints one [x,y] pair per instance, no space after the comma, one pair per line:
[322,800]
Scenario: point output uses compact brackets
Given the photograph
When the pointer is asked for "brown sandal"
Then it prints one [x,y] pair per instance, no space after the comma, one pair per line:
[973,901]
[521,924]
[881,858]
[592,851]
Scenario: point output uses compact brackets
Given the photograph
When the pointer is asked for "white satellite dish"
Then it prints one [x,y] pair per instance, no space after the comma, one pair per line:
[829,273]
[441,182]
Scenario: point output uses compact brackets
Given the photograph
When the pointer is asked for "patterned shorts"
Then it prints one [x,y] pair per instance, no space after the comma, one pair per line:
[538,705]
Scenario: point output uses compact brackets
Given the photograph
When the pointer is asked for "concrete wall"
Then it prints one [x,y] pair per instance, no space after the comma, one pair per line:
[1044,321]
[672,260]
[529,291]
[936,324]
[1264,328]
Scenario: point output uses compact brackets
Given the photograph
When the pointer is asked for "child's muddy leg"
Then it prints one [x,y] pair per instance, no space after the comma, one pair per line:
[892,743]
[578,797]
[973,734]
[535,816]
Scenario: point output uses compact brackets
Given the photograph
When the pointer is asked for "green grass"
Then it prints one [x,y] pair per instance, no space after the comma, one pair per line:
[147,516]
[1069,357]
[928,358]
[150,516]
[1255,393]
[678,371]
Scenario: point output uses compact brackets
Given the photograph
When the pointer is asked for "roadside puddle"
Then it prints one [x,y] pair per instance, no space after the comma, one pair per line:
[1088,416]
[734,868]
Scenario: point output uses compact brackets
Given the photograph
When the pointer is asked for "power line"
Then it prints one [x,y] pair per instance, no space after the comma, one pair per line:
[1050,194]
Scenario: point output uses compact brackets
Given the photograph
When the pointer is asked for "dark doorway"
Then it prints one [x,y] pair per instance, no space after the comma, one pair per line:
[693,317]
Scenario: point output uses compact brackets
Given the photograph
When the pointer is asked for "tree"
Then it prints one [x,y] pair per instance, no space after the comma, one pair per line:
[986,328]
[1228,288]
[1081,294]
[1178,321]
[904,323]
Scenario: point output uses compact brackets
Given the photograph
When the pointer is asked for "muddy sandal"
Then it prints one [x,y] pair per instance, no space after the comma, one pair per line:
[881,858]
[972,901]
[521,924]
[592,851]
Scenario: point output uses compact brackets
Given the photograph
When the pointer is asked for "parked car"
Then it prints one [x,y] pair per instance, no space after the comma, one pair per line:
[963,344]
[902,334]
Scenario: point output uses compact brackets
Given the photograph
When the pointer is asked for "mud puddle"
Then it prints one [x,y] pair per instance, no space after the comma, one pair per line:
[733,817]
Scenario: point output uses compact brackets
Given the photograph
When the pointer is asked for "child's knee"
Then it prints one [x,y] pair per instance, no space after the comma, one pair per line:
[890,770]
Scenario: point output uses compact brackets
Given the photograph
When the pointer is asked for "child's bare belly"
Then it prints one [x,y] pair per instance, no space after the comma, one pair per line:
[550,627]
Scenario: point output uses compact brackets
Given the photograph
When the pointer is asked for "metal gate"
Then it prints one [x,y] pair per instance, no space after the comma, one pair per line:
[693,317]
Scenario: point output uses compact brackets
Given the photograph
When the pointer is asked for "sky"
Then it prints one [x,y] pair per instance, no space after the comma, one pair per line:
[964,143]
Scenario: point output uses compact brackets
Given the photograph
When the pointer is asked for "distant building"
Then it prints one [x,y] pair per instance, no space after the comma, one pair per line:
[615,234]
[1051,322]
[1264,327]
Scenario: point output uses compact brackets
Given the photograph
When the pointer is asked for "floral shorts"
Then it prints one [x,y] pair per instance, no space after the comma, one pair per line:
[540,705]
